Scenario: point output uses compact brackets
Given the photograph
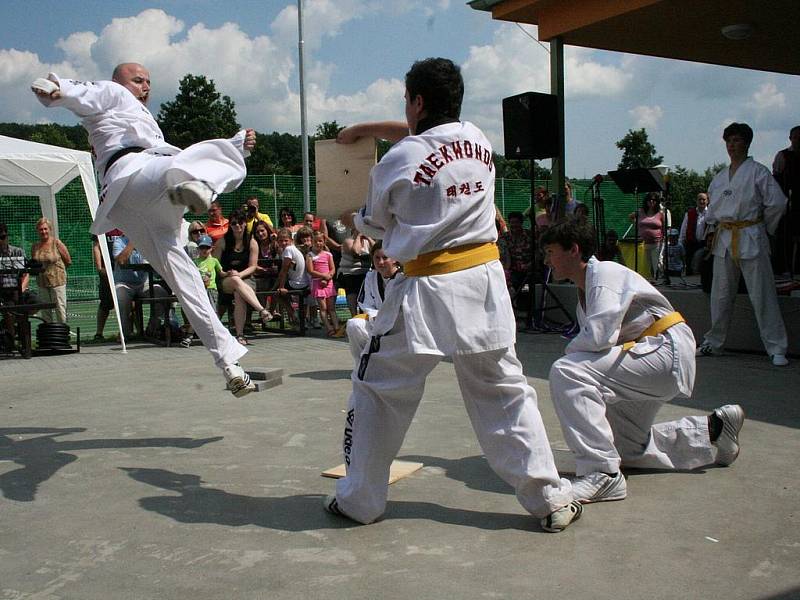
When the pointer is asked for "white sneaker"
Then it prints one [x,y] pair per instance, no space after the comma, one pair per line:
[599,487]
[559,519]
[195,194]
[238,380]
[779,360]
[732,417]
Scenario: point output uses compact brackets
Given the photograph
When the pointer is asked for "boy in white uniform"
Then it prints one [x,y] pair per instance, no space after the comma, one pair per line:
[370,299]
[431,200]
[745,204]
[633,353]
[147,184]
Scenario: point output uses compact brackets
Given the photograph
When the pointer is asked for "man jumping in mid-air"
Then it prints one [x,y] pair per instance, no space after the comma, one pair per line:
[147,184]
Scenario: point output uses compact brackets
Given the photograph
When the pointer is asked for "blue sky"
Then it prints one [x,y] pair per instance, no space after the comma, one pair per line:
[357,52]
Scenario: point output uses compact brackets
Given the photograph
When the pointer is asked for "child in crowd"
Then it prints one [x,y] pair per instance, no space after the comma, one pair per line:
[302,241]
[370,299]
[319,264]
[292,276]
[676,254]
[209,268]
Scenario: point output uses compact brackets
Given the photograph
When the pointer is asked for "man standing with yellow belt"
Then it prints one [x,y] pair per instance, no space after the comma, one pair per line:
[431,200]
[745,204]
[633,354]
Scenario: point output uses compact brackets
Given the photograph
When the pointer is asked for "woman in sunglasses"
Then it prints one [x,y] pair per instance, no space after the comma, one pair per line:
[196,229]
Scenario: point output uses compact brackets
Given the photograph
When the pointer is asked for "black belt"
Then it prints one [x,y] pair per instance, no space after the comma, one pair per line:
[120,153]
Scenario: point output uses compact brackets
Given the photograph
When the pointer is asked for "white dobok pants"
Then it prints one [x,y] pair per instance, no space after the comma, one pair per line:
[358,334]
[387,388]
[148,218]
[757,274]
[607,403]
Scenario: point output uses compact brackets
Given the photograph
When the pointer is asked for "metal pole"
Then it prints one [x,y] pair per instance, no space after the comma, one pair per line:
[303,131]
[275,200]
[557,89]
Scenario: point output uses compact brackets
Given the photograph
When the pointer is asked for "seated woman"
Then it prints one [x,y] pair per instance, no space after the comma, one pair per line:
[238,254]
[370,299]
[286,219]
[269,258]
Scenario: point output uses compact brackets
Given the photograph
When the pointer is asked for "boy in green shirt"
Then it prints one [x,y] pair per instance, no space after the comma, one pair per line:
[209,267]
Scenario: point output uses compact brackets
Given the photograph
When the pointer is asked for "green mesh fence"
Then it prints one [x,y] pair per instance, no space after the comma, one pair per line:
[20,213]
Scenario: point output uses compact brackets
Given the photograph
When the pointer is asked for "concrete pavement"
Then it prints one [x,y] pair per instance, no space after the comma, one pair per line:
[138,477]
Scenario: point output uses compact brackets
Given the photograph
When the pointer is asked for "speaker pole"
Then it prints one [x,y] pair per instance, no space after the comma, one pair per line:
[532,324]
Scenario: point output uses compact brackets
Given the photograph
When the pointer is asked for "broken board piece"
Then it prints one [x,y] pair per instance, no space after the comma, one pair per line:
[398,470]
[265,385]
[264,373]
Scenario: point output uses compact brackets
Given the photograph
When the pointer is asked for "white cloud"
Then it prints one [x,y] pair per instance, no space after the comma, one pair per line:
[768,98]
[646,116]
[514,63]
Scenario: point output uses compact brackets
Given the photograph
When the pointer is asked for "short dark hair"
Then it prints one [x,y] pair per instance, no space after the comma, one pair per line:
[570,231]
[439,82]
[515,214]
[3,228]
[742,129]
[793,129]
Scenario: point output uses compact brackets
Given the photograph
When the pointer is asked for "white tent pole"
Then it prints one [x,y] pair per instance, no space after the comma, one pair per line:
[110,276]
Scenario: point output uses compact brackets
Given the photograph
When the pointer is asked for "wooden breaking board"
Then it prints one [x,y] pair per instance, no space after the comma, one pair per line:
[342,173]
[398,470]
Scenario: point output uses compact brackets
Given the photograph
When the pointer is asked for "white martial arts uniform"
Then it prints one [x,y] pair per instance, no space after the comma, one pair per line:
[134,191]
[752,194]
[607,398]
[433,191]
[359,329]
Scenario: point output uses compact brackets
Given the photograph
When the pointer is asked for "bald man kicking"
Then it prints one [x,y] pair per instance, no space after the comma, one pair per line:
[148,184]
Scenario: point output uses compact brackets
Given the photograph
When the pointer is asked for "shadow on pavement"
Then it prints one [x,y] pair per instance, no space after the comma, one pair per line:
[42,456]
[303,512]
[333,374]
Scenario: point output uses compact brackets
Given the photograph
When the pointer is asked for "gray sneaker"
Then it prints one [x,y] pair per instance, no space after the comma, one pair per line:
[559,519]
[330,504]
[706,350]
[732,417]
[238,380]
[195,194]
[599,487]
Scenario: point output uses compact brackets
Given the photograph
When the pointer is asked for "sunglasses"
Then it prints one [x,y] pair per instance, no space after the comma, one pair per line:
[3,236]
[197,231]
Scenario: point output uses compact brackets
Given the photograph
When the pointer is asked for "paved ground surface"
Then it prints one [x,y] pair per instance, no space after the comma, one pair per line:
[136,476]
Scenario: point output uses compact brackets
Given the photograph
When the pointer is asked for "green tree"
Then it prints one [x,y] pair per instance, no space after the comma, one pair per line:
[52,135]
[637,151]
[327,130]
[198,113]
[684,185]
[518,169]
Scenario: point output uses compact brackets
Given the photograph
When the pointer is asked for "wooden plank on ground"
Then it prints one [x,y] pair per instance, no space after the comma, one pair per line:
[398,470]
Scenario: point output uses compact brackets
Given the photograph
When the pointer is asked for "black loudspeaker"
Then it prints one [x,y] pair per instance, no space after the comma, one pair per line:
[530,126]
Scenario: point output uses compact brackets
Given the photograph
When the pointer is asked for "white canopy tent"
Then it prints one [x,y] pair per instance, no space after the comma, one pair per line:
[40,170]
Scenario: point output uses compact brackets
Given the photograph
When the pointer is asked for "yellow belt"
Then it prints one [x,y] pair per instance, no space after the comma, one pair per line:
[734,227]
[451,260]
[659,326]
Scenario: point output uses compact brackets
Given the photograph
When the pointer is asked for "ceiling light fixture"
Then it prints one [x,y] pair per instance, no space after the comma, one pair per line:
[739,31]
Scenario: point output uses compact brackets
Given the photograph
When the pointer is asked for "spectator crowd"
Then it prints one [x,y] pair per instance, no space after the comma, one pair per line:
[252,266]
